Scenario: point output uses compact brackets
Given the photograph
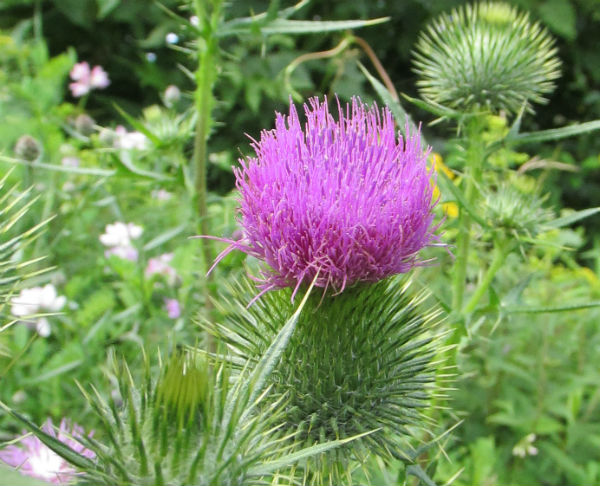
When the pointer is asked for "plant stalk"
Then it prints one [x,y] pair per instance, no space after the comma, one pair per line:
[474,162]
[206,74]
[497,262]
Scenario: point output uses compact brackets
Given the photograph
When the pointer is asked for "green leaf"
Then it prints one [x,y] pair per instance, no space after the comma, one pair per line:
[80,12]
[298,27]
[54,444]
[105,7]
[559,16]
[59,168]
[164,237]
[446,184]
[566,463]
[572,218]
[417,471]
[553,134]
[394,105]
[138,125]
[435,108]
[543,310]
[126,162]
[294,457]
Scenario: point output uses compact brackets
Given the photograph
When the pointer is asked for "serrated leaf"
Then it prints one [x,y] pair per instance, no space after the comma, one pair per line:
[299,27]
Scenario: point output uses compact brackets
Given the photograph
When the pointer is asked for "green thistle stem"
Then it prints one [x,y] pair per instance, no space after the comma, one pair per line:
[497,262]
[474,162]
[206,74]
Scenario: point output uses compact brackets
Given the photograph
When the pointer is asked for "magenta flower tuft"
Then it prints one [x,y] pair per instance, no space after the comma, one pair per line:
[345,198]
[33,458]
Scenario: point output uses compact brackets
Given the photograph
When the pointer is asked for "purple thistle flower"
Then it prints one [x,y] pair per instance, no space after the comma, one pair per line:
[345,198]
[33,458]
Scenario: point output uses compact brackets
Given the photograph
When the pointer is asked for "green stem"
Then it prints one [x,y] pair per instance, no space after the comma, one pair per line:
[474,163]
[497,262]
[206,75]
[204,98]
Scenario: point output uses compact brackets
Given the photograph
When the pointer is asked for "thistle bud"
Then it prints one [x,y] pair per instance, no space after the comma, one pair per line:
[486,56]
[509,209]
[28,148]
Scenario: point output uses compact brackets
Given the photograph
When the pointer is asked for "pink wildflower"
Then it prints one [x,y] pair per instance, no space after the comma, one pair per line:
[173,308]
[33,458]
[84,79]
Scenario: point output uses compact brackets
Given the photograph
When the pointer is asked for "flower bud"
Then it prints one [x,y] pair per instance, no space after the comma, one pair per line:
[28,148]
[486,56]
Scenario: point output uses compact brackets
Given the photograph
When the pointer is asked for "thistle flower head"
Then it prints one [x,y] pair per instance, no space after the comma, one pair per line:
[347,198]
[33,458]
[486,56]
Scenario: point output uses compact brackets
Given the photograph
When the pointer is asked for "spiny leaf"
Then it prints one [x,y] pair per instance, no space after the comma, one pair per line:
[298,27]
[572,218]
[303,454]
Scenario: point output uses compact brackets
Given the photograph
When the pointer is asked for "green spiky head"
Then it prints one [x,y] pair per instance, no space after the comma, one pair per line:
[187,427]
[486,56]
[357,362]
[510,209]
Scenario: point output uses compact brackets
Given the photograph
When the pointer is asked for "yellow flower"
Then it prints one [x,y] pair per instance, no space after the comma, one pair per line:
[449,208]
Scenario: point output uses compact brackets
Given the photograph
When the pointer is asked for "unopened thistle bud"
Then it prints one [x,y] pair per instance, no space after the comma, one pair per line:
[510,210]
[486,56]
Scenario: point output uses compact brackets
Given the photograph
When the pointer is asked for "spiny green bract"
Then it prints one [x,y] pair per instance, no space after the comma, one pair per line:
[189,427]
[357,362]
[486,56]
